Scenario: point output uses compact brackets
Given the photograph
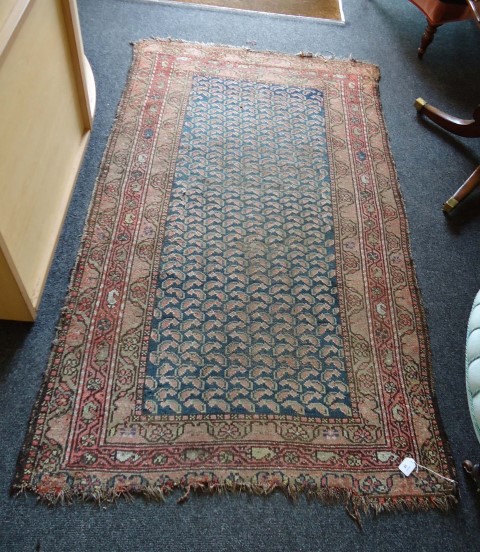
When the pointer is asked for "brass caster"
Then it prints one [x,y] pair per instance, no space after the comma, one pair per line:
[419,104]
[449,205]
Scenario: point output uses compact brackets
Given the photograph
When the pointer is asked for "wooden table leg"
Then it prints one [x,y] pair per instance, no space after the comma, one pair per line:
[468,128]
[473,470]
[427,38]
[469,185]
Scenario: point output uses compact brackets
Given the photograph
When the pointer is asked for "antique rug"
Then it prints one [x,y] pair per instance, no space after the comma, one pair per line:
[243,314]
[331,10]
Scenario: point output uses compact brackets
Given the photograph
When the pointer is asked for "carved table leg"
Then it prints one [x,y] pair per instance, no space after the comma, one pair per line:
[427,38]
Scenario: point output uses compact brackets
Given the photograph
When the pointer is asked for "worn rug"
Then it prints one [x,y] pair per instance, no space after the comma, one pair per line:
[243,314]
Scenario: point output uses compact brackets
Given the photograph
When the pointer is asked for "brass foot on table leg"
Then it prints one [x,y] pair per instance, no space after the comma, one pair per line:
[449,205]
[419,104]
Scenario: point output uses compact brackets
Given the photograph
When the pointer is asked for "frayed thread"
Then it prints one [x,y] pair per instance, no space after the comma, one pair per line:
[357,507]
[367,69]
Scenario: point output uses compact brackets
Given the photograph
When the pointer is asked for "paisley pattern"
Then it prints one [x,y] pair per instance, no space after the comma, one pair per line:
[243,314]
[246,318]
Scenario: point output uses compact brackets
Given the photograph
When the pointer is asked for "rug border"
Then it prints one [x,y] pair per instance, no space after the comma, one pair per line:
[422,311]
[35,412]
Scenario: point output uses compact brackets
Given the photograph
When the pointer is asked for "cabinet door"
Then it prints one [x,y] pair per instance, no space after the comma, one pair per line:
[45,121]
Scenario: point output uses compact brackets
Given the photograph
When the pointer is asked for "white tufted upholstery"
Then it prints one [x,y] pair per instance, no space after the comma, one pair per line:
[473,364]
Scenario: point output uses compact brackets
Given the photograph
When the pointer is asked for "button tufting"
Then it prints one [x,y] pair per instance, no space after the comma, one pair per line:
[473,346]
[474,323]
[472,355]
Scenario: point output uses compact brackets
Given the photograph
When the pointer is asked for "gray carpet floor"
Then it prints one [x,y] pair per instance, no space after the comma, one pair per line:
[430,165]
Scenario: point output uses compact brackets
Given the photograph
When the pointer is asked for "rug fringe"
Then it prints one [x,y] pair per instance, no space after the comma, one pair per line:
[357,507]
[371,70]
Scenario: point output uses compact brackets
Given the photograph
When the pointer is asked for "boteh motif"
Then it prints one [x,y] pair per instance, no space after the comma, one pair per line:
[243,314]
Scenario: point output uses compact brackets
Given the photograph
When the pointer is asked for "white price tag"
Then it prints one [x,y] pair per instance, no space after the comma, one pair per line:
[407,466]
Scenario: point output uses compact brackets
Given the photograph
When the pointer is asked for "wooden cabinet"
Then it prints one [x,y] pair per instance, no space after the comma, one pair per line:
[47,99]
